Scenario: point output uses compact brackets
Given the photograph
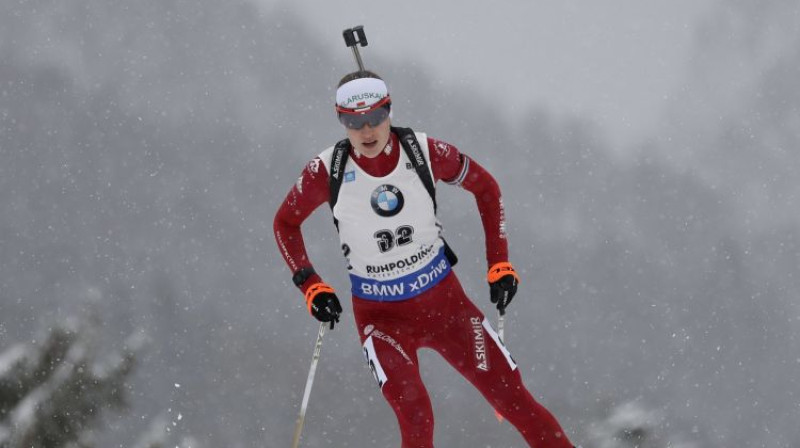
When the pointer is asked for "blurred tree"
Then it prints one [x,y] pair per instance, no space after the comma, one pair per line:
[634,425]
[54,391]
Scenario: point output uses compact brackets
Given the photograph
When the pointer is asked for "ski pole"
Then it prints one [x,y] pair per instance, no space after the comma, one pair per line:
[501,320]
[309,382]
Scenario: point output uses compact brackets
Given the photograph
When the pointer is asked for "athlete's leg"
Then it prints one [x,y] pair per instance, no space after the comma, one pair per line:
[392,357]
[469,344]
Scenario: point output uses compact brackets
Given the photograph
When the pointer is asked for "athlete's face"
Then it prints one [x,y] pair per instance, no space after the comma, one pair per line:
[369,141]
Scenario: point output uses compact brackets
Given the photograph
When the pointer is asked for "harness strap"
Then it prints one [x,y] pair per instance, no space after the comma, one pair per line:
[409,142]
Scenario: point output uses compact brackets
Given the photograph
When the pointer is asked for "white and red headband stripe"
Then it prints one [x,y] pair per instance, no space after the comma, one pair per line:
[361,93]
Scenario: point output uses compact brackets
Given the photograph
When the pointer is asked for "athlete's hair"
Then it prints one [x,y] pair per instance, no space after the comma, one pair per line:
[358,75]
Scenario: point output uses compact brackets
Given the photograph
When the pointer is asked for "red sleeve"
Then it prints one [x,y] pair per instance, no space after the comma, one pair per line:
[309,192]
[455,168]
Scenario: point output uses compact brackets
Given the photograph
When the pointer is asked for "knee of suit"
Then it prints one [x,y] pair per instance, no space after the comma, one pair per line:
[410,401]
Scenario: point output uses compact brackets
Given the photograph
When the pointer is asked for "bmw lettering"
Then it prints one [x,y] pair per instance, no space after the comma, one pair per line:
[387,200]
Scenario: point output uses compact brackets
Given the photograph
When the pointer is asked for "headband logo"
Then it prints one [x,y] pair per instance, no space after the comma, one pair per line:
[361,99]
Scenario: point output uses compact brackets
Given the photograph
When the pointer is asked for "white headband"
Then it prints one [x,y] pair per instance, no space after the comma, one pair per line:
[361,93]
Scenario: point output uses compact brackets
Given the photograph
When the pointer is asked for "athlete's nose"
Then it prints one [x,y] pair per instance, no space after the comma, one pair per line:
[366,130]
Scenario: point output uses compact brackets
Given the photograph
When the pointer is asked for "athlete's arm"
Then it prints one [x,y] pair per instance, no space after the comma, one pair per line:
[309,192]
[453,167]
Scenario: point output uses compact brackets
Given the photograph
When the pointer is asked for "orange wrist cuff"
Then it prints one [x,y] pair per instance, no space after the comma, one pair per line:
[315,289]
[500,270]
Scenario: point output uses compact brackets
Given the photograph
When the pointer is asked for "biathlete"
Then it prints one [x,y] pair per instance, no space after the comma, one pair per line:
[379,182]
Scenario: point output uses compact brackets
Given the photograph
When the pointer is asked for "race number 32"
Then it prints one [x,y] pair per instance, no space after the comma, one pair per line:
[387,239]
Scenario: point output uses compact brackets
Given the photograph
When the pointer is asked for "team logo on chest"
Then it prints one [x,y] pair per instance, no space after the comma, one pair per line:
[387,200]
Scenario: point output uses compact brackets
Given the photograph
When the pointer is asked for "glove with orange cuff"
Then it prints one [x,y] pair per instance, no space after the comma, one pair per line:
[503,281]
[323,304]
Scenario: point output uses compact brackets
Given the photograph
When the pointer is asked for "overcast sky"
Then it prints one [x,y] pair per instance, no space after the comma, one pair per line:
[613,62]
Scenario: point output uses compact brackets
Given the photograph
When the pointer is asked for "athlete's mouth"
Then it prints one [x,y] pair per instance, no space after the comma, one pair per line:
[370,144]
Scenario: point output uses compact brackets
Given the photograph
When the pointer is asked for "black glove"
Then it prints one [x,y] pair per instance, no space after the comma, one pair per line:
[503,281]
[323,303]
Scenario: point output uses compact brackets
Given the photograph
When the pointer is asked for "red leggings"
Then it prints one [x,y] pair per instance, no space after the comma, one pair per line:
[445,320]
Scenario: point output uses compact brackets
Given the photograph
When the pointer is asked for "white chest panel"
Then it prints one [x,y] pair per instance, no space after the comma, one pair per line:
[387,225]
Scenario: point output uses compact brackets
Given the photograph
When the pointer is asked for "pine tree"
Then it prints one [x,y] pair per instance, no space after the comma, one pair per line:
[54,392]
[634,425]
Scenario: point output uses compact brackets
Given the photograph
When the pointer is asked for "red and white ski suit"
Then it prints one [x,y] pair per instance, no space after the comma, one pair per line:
[441,318]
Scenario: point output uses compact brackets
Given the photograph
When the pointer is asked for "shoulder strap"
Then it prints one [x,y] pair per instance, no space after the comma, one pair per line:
[339,159]
[408,140]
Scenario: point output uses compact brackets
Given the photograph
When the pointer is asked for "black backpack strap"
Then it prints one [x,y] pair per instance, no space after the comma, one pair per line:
[408,140]
[341,152]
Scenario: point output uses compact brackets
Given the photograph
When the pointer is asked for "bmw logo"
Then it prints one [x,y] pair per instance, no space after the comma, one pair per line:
[387,200]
